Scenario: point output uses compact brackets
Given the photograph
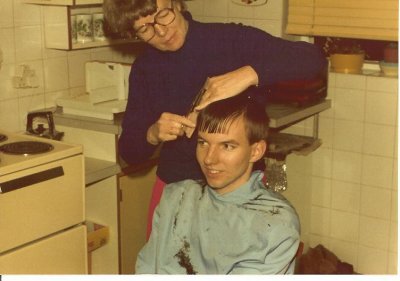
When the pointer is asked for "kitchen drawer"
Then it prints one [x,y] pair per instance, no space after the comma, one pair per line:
[62,253]
[34,210]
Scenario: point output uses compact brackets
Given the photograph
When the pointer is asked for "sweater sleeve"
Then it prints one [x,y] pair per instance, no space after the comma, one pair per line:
[276,59]
[133,146]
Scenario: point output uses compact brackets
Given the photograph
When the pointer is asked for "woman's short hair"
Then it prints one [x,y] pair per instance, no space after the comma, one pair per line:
[121,14]
[219,115]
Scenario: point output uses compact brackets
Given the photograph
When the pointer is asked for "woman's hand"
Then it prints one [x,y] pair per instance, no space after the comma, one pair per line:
[167,128]
[227,85]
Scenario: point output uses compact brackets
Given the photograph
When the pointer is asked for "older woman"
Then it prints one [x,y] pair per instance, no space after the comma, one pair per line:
[184,56]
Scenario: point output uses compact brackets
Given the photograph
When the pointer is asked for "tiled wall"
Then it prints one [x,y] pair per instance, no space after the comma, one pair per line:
[346,191]
[269,17]
[58,72]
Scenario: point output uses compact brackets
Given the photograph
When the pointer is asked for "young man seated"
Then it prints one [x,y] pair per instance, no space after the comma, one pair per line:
[231,224]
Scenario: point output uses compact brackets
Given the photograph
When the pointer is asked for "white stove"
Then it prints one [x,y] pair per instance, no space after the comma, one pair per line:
[41,206]
[13,161]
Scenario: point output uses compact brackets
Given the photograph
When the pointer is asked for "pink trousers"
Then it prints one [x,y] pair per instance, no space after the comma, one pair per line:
[155,199]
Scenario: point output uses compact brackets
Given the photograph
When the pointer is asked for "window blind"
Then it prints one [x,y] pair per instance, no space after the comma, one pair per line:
[362,19]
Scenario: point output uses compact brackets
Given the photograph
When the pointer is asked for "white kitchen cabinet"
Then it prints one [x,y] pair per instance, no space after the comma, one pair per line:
[57,18]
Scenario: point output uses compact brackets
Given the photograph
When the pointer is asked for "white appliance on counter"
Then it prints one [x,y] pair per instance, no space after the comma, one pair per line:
[107,85]
[42,206]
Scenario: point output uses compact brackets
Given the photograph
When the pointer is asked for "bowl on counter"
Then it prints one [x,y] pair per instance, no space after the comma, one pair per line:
[389,68]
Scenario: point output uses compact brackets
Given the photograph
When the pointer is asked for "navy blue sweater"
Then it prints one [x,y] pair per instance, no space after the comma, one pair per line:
[168,81]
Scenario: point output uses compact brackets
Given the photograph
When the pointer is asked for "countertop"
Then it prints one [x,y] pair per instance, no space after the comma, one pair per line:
[96,170]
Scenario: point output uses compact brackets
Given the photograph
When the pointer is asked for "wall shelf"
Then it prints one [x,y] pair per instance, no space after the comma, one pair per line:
[58,28]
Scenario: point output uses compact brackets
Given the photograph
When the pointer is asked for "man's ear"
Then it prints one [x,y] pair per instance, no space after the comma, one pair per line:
[258,150]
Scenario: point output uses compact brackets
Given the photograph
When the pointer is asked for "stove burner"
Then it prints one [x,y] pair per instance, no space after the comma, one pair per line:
[3,137]
[26,147]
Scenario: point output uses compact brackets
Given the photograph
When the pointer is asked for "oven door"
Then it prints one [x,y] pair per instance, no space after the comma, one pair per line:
[41,200]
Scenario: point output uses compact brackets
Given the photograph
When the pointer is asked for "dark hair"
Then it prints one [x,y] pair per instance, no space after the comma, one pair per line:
[219,115]
[121,14]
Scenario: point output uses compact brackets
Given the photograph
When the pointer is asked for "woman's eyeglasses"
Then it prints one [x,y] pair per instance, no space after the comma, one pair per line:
[164,17]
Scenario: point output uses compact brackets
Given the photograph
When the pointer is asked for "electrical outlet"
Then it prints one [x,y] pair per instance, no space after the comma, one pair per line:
[25,77]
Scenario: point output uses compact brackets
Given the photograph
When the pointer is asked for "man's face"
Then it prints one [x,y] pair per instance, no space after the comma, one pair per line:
[170,37]
[227,159]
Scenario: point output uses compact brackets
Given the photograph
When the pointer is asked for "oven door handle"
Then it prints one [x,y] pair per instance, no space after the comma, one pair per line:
[32,179]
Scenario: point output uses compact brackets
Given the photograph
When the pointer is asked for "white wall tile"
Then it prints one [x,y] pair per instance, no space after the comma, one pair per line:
[349,104]
[320,221]
[375,202]
[346,166]
[393,264]
[345,251]
[344,226]
[76,68]
[350,81]
[377,171]
[273,9]
[7,45]
[395,174]
[348,135]
[393,241]
[196,8]
[372,260]
[102,54]
[346,196]
[272,27]
[374,233]
[240,11]
[394,207]
[325,131]
[9,115]
[56,74]
[382,84]
[321,192]
[331,80]
[26,14]
[6,14]
[28,43]
[216,8]
[381,108]
[379,140]
[50,97]
[322,162]
[7,90]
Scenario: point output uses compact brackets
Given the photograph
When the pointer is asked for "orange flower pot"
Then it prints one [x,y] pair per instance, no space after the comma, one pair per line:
[347,63]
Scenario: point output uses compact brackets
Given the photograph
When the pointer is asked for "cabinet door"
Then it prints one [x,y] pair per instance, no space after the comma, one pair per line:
[136,192]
